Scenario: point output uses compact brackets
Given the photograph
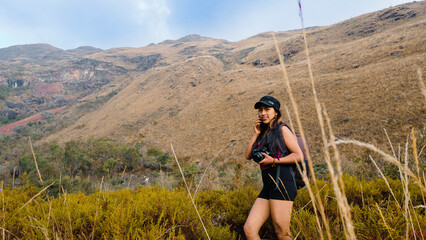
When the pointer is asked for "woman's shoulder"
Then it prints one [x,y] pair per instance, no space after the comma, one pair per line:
[283,126]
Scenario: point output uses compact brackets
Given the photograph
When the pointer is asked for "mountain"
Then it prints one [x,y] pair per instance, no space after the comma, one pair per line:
[198,92]
[30,51]
[42,51]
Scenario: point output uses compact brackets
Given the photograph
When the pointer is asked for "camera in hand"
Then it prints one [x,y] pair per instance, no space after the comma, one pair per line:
[257,154]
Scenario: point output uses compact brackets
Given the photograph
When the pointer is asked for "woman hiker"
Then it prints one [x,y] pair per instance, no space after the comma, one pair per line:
[274,147]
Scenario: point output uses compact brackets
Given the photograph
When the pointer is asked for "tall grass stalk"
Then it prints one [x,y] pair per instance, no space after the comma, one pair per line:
[29,201]
[3,209]
[384,221]
[294,105]
[338,185]
[421,151]
[205,171]
[346,207]
[55,223]
[417,218]
[314,199]
[311,199]
[296,112]
[41,227]
[386,181]
[35,162]
[288,196]
[340,194]
[422,84]
[295,238]
[5,230]
[92,234]
[416,158]
[161,177]
[305,178]
[386,157]
[303,173]
[278,187]
[424,182]
[362,194]
[404,180]
[124,171]
[60,185]
[390,143]
[13,177]
[407,212]
[68,214]
[50,213]
[314,92]
[189,192]
[130,179]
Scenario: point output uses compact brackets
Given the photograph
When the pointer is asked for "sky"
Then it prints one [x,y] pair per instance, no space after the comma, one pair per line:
[68,24]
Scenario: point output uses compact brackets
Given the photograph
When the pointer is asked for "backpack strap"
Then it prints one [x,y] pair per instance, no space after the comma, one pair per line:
[284,148]
[285,152]
[297,177]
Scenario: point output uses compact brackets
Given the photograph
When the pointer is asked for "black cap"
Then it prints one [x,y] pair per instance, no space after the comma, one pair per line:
[268,101]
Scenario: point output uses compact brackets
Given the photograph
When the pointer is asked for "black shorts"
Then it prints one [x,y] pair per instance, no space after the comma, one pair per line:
[270,190]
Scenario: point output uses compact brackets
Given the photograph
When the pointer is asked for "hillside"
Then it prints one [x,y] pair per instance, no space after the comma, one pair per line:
[198,92]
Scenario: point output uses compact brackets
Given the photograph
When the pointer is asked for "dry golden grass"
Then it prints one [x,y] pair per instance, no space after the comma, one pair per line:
[35,161]
[193,100]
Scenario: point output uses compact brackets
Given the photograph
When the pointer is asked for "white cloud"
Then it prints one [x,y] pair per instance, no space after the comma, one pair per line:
[153,15]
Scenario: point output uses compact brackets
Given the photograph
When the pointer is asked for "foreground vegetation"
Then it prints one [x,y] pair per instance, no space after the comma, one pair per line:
[159,213]
[85,190]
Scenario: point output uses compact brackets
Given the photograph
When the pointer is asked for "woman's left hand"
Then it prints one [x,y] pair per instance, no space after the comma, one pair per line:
[267,160]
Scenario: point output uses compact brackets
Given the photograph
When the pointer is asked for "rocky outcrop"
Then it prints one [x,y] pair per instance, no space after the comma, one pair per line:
[9,114]
[15,105]
[14,83]
[145,63]
[34,100]
[87,74]
[395,14]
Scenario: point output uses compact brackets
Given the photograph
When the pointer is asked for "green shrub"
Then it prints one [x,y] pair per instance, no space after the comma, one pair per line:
[153,212]
[4,92]
[154,152]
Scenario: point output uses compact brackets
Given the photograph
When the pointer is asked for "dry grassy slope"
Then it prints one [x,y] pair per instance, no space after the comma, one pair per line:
[201,108]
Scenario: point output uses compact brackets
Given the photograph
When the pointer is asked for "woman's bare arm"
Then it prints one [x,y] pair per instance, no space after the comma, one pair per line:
[290,141]
[250,146]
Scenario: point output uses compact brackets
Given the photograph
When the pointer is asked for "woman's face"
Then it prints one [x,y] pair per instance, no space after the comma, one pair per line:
[267,114]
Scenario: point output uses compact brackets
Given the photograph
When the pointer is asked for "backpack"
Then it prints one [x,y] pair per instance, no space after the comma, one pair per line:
[297,176]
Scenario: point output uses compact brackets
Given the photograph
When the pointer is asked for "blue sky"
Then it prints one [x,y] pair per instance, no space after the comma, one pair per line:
[106,24]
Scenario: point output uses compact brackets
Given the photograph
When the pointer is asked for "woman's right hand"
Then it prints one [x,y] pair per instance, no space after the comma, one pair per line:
[257,126]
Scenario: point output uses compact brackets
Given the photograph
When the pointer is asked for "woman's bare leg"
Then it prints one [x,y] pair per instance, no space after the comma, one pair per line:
[281,215]
[258,215]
